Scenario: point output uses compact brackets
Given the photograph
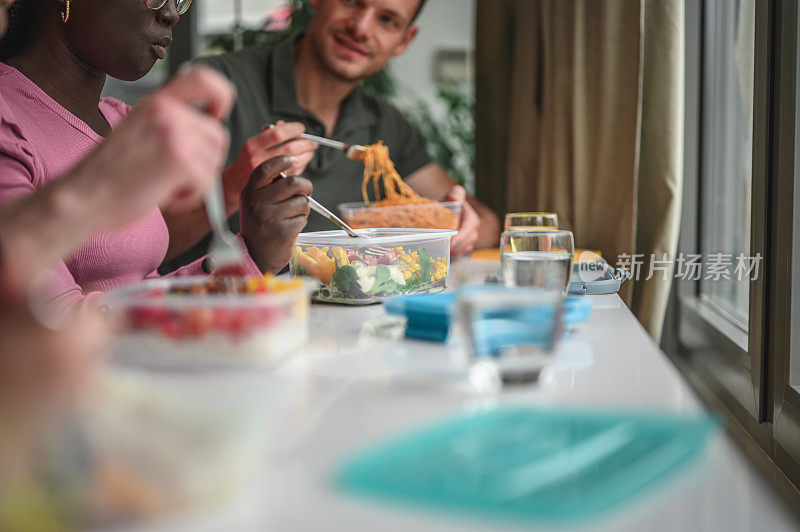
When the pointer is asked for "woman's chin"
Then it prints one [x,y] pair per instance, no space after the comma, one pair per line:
[137,71]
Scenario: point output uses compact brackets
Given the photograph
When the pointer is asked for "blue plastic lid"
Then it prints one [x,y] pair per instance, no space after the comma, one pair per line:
[529,464]
[429,317]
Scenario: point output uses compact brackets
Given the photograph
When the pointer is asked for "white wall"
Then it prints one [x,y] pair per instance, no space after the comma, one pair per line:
[442,23]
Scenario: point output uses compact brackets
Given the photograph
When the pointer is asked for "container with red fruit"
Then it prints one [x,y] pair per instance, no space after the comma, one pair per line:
[196,320]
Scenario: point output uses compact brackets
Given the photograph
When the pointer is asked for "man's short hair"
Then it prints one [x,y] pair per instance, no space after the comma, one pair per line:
[419,8]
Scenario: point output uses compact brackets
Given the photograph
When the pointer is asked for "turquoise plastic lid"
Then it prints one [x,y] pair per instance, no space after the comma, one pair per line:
[521,463]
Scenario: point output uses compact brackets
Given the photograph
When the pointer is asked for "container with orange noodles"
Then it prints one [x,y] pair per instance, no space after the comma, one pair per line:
[395,203]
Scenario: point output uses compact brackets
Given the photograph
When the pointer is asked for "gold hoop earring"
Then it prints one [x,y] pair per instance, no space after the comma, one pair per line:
[65,13]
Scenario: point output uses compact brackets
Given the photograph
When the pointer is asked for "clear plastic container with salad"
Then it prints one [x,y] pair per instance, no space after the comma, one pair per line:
[361,271]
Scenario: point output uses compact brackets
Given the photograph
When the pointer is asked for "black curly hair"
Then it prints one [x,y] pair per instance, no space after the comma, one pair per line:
[19,20]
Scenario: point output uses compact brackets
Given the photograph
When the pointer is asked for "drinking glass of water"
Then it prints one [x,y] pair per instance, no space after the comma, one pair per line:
[521,221]
[511,332]
[537,258]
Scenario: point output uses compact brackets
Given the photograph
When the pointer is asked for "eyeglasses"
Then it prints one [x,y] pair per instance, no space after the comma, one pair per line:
[182,5]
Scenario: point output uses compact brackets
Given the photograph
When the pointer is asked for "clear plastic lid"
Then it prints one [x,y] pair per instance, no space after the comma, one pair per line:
[378,236]
[360,205]
[154,292]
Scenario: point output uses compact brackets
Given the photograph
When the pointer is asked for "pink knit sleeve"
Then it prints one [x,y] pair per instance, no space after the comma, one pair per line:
[57,294]
[19,167]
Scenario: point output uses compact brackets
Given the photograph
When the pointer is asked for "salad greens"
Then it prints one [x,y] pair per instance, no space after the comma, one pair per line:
[425,263]
[344,278]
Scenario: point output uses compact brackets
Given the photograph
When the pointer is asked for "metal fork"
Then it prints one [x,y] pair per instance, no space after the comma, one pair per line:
[226,250]
[328,215]
[352,151]
[318,207]
[376,251]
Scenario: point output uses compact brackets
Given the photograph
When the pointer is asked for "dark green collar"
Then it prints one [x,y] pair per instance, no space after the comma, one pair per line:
[283,93]
[356,111]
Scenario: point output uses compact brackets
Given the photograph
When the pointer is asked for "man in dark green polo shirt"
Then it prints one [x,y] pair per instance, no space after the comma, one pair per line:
[314,79]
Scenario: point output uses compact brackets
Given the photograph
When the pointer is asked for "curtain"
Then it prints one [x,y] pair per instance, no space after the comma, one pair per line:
[579,111]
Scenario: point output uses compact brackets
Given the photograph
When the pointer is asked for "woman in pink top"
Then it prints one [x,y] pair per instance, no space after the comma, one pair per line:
[142,164]
[53,117]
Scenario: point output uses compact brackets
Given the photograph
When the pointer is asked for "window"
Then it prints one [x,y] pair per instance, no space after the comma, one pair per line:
[794,229]
[739,340]
[221,23]
[719,312]
[784,340]
[729,30]
[794,376]
[221,16]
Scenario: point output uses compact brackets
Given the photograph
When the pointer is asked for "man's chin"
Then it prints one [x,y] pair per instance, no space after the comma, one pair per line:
[350,73]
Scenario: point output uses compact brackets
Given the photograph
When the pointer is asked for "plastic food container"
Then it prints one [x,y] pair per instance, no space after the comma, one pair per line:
[442,215]
[168,444]
[360,271]
[171,321]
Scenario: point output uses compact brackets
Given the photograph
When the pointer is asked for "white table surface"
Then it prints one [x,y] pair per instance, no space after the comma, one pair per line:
[356,384]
